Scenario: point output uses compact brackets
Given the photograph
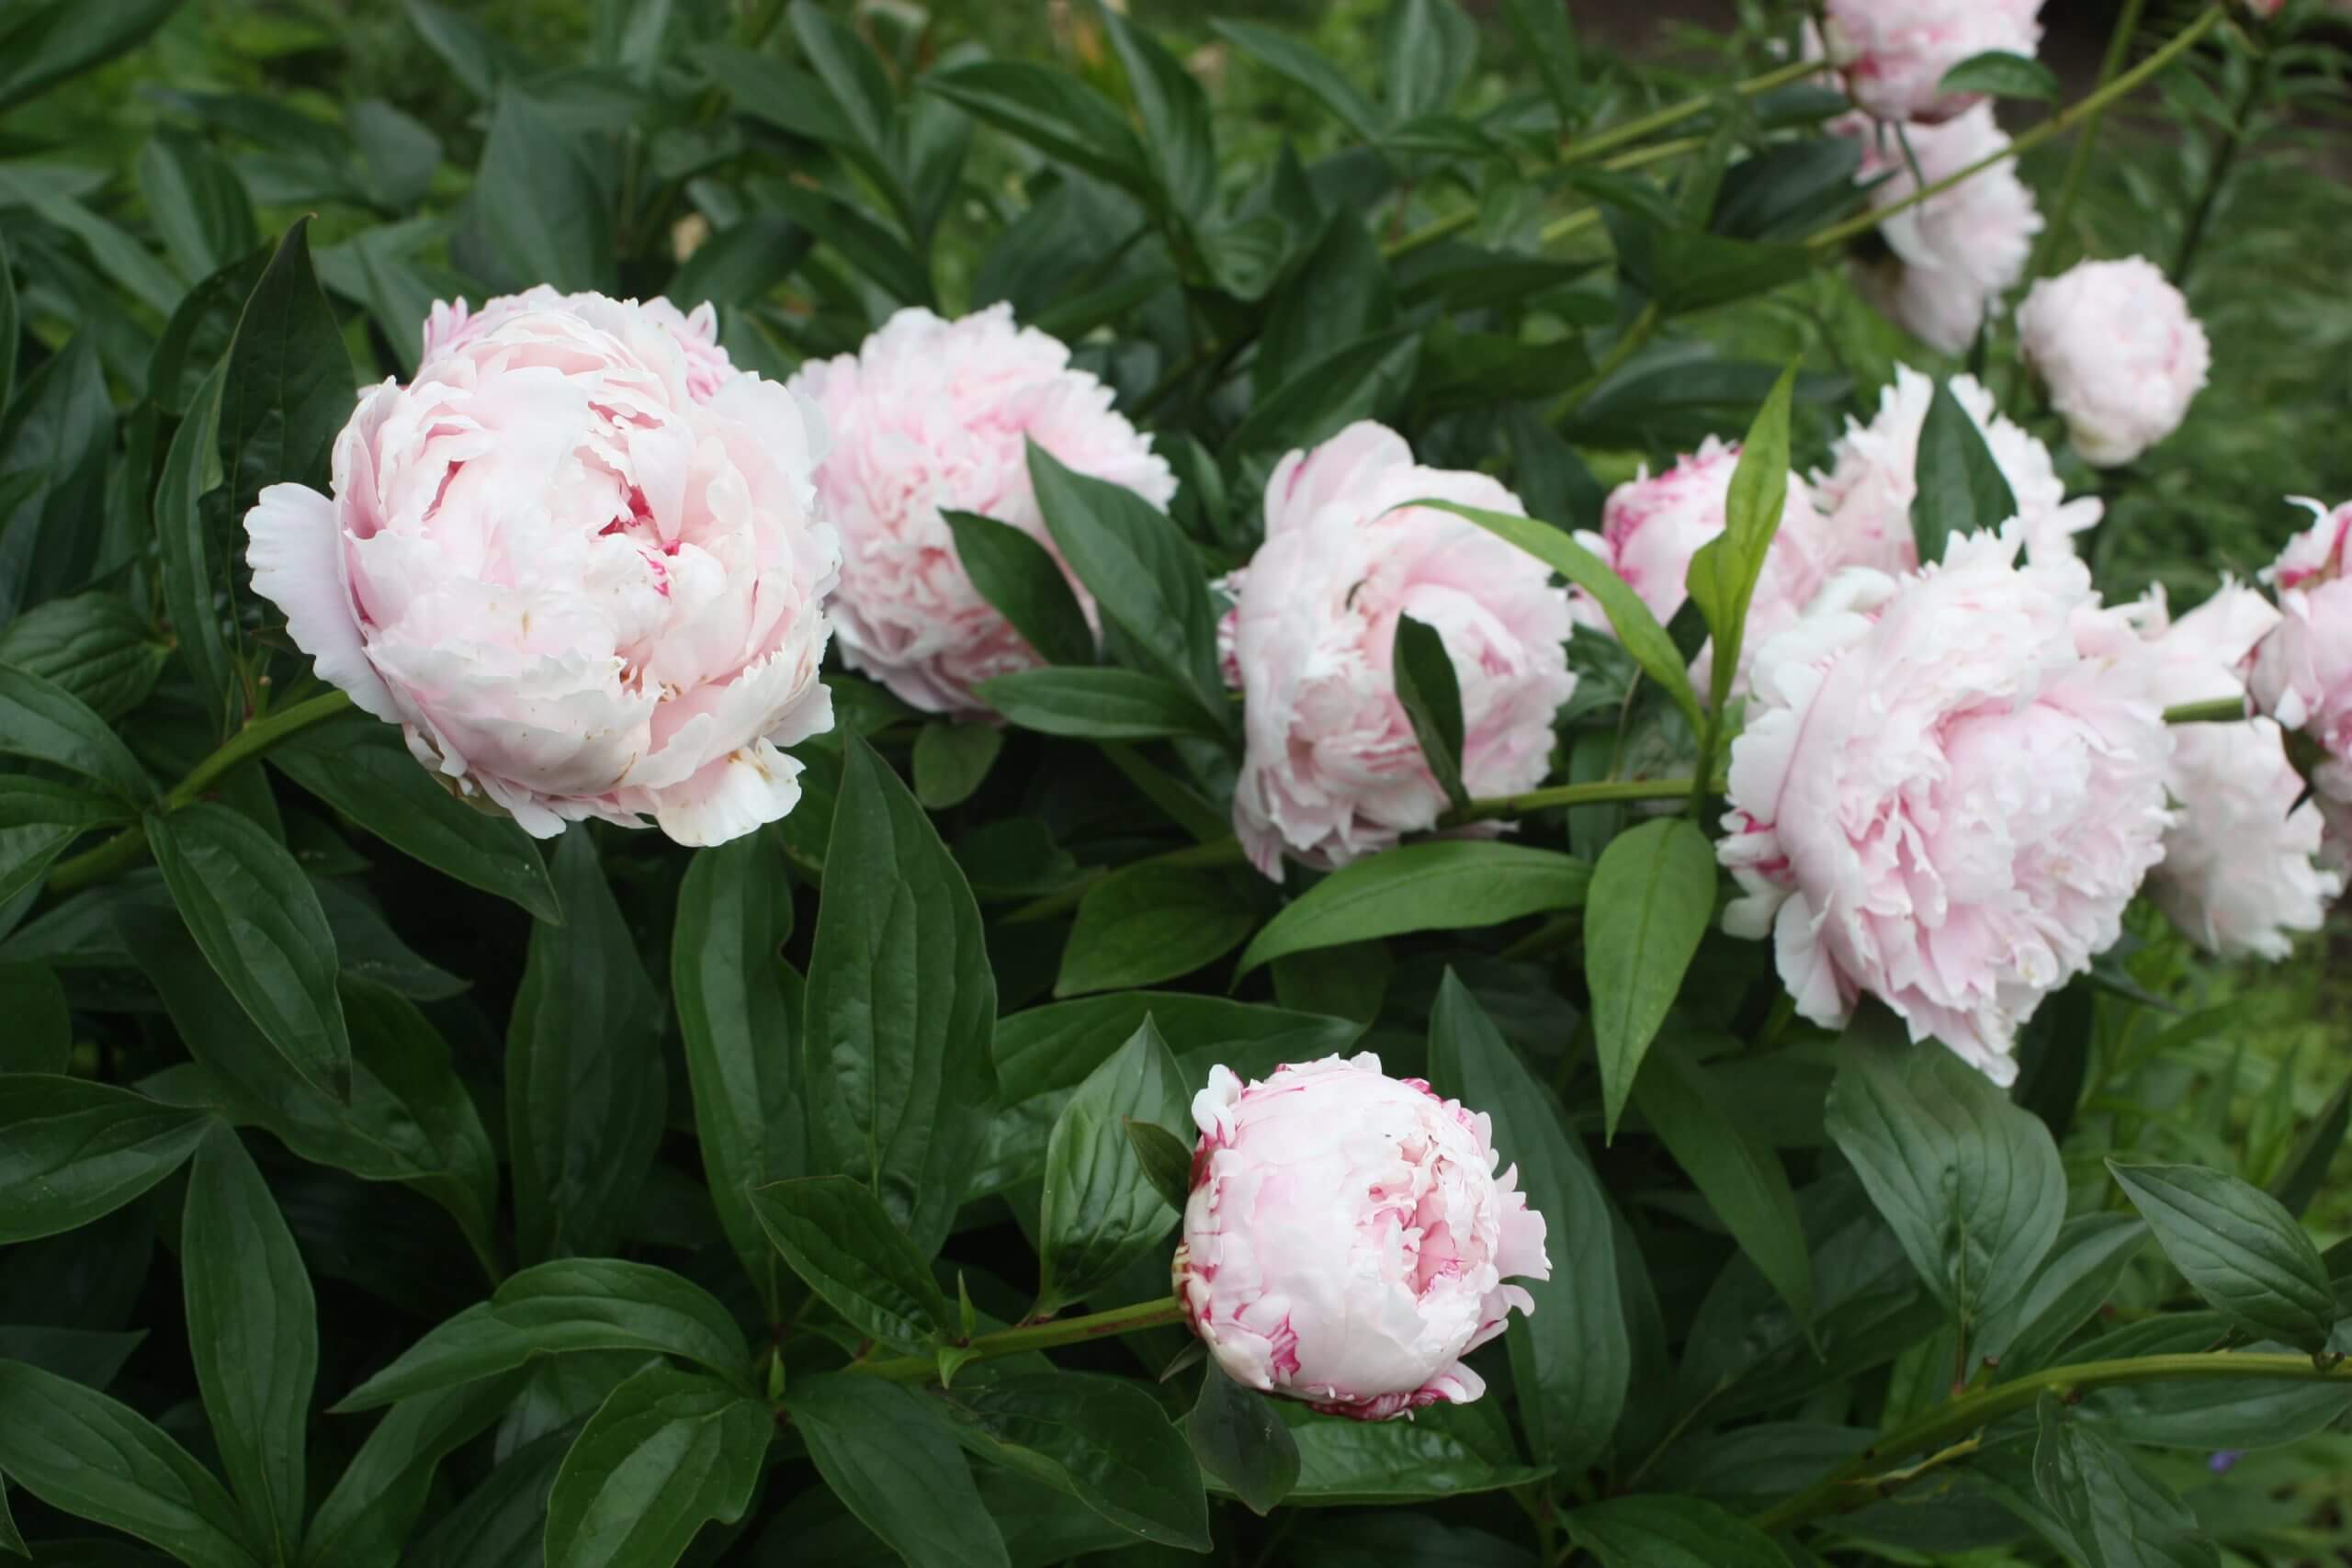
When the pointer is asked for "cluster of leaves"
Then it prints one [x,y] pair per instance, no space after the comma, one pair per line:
[617,1206]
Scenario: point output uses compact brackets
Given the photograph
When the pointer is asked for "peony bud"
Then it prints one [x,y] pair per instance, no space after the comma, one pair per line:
[931,415]
[2121,354]
[580,587]
[1347,1239]
[1894,53]
[1941,798]
[1950,257]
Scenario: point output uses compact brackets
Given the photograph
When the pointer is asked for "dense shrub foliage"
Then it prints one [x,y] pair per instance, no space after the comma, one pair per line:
[1429,818]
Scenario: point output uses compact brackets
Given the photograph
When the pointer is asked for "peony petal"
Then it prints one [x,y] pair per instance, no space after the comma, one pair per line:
[295,546]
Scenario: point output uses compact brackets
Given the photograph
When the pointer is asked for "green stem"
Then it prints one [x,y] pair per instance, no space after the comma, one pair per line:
[1629,342]
[124,848]
[1161,1314]
[2219,710]
[1676,113]
[2119,49]
[2225,159]
[1840,1491]
[2056,126]
[1596,793]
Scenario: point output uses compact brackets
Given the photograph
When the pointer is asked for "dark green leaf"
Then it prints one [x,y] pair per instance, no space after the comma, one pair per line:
[838,1239]
[1287,57]
[1239,1439]
[57,447]
[359,767]
[1055,1047]
[369,1517]
[2115,1513]
[2305,1172]
[952,759]
[1099,1213]
[503,1522]
[541,201]
[398,152]
[288,388]
[42,720]
[901,1003]
[474,56]
[1545,32]
[1448,884]
[40,1037]
[1151,922]
[2074,1282]
[875,253]
[577,1304]
[739,1011]
[1177,142]
[191,570]
[1102,1440]
[87,1455]
[891,1460]
[1052,110]
[1364,378]
[1431,696]
[9,326]
[666,1452]
[1684,269]
[585,1085]
[1428,48]
[2003,74]
[860,91]
[93,645]
[1961,489]
[253,1331]
[1017,574]
[2238,1249]
[1722,573]
[251,909]
[1339,294]
[44,43]
[1670,1532]
[1652,896]
[72,1151]
[1972,1185]
[1099,704]
[196,203]
[1377,1463]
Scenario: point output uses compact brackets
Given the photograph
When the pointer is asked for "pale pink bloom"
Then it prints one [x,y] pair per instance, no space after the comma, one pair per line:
[1228,665]
[1950,257]
[2121,354]
[696,332]
[931,415]
[1940,800]
[2238,873]
[1347,1240]
[1894,53]
[1332,768]
[2302,673]
[580,590]
[1864,500]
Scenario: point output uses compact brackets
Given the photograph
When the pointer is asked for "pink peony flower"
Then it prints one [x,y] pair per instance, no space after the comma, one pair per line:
[1332,770]
[1894,53]
[2302,673]
[2121,354]
[1864,501]
[696,332]
[931,415]
[1940,799]
[1952,257]
[1347,1239]
[2238,874]
[578,588]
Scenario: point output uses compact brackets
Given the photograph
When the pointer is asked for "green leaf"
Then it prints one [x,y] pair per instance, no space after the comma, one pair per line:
[667,1451]
[901,1003]
[370,1514]
[952,759]
[289,387]
[1685,269]
[585,1084]
[1431,697]
[1086,704]
[891,1460]
[874,253]
[40,1037]
[1178,145]
[72,1151]
[252,911]
[573,1305]
[93,645]
[1636,628]
[835,1234]
[1049,1048]
[97,1458]
[1099,1213]
[1546,32]
[1239,1439]
[540,200]
[1571,1360]
[739,1011]
[2003,74]
[42,721]
[2238,1249]
[1103,1440]
[1961,489]
[503,1522]
[196,203]
[2304,1172]
[1287,57]
[1150,922]
[1144,576]
[43,44]
[1366,377]
[1428,49]
[1722,573]
[1446,884]
[9,324]
[359,767]
[860,91]
[1652,896]
[2074,1282]
[1670,1532]
[1972,1185]
[1052,110]
[1019,576]
[1735,1169]
[1377,1463]
[1166,1160]
[253,1332]
[2114,1514]
[191,574]
[57,449]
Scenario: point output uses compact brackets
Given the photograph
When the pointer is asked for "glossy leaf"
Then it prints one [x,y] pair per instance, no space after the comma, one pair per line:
[953,759]
[72,1151]
[1960,487]
[369,1517]
[892,1461]
[1239,1439]
[1166,1159]
[834,1232]
[1087,704]
[1102,1440]
[1447,884]
[1431,697]
[191,567]
[1147,923]
[2113,1513]
[1099,1211]
[1670,1532]
[288,386]
[1048,1048]
[93,645]
[2238,1249]
[666,1452]
[2003,74]
[1652,898]
[44,723]
[541,201]
[1018,575]
[1722,573]
[1177,141]
[1378,1464]
[1286,56]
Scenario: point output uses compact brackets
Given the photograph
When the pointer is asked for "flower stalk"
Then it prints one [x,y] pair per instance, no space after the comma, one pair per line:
[1165,1313]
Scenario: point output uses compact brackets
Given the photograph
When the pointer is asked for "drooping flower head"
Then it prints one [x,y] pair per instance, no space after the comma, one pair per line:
[1950,257]
[1940,799]
[696,331]
[1332,768]
[1346,1241]
[1893,54]
[581,589]
[931,415]
[2302,673]
[2121,356]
